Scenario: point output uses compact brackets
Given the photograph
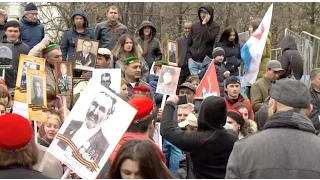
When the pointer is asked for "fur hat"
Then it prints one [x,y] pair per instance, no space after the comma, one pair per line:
[30,8]
[15,132]
[143,105]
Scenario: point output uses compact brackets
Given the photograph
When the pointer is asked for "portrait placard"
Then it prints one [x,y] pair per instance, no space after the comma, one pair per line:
[25,62]
[37,95]
[168,80]
[109,78]
[78,85]
[157,136]
[172,52]
[6,54]
[63,78]
[92,130]
[86,54]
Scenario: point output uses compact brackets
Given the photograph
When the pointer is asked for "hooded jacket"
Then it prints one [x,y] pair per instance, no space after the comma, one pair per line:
[291,60]
[154,51]
[31,33]
[286,148]
[211,146]
[70,36]
[202,37]
[17,49]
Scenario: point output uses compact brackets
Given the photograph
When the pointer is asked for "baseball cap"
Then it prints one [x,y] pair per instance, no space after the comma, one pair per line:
[189,86]
[274,65]
[191,120]
[291,92]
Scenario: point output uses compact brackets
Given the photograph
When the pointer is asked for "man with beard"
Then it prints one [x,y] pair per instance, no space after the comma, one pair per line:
[93,144]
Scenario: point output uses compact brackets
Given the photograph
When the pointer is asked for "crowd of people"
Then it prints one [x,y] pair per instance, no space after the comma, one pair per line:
[269,132]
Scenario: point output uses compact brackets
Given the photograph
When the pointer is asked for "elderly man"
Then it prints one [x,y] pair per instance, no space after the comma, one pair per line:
[32,31]
[260,89]
[52,53]
[287,147]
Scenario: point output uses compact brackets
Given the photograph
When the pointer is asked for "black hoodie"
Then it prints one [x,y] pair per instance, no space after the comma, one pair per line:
[70,36]
[202,37]
[211,146]
[17,49]
[291,58]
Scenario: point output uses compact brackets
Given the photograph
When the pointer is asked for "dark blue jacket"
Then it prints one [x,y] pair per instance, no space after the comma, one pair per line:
[70,37]
[31,33]
[152,80]
[11,74]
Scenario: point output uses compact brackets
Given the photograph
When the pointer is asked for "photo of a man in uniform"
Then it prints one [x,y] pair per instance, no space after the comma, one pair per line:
[64,80]
[86,57]
[87,135]
[172,52]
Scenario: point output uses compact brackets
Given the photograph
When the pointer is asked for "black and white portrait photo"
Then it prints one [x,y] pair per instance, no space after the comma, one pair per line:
[6,56]
[172,52]
[92,130]
[168,80]
[86,53]
[37,91]
[27,65]
[95,144]
[108,78]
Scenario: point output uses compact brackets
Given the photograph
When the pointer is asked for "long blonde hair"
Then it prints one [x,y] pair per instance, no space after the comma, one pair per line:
[118,51]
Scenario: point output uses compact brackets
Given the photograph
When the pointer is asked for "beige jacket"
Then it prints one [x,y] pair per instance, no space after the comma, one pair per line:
[259,92]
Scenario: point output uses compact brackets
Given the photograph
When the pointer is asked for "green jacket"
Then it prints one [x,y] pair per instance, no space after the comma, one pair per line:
[266,57]
[259,92]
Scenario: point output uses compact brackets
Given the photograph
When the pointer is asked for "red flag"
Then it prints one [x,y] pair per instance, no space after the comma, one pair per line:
[209,83]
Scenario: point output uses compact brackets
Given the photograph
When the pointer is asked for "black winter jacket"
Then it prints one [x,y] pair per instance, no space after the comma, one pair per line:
[232,56]
[202,37]
[211,146]
[291,60]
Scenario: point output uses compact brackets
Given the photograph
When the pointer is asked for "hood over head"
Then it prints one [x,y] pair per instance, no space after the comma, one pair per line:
[209,9]
[288,43]
[80,12]
[145,24]
[212,114]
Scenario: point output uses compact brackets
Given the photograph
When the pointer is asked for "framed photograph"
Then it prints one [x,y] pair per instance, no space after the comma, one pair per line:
[78,85]
[168,80]
[63,73]
[26,62]
[92,130]
[109,78]
[37,95]
[86,54]
[6,55]
[172,52]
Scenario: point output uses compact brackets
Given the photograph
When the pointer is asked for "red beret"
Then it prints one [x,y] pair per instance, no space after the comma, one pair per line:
[143,105]
[139,89]
[15,132]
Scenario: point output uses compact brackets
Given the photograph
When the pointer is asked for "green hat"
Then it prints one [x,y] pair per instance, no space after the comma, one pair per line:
[130,60]
[50,48]
[160,63]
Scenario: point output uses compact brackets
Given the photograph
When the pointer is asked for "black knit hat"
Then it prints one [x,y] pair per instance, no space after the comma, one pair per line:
[237,116]
[30,8]
[231,80]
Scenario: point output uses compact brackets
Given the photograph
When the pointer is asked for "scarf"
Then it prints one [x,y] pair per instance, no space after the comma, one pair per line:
[113,26]
[291,119]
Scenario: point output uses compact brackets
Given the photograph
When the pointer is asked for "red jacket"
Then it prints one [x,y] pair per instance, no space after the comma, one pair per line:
[128,136]
[240,99]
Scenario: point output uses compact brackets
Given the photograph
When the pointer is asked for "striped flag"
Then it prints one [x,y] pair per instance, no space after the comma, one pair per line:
[252,50]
